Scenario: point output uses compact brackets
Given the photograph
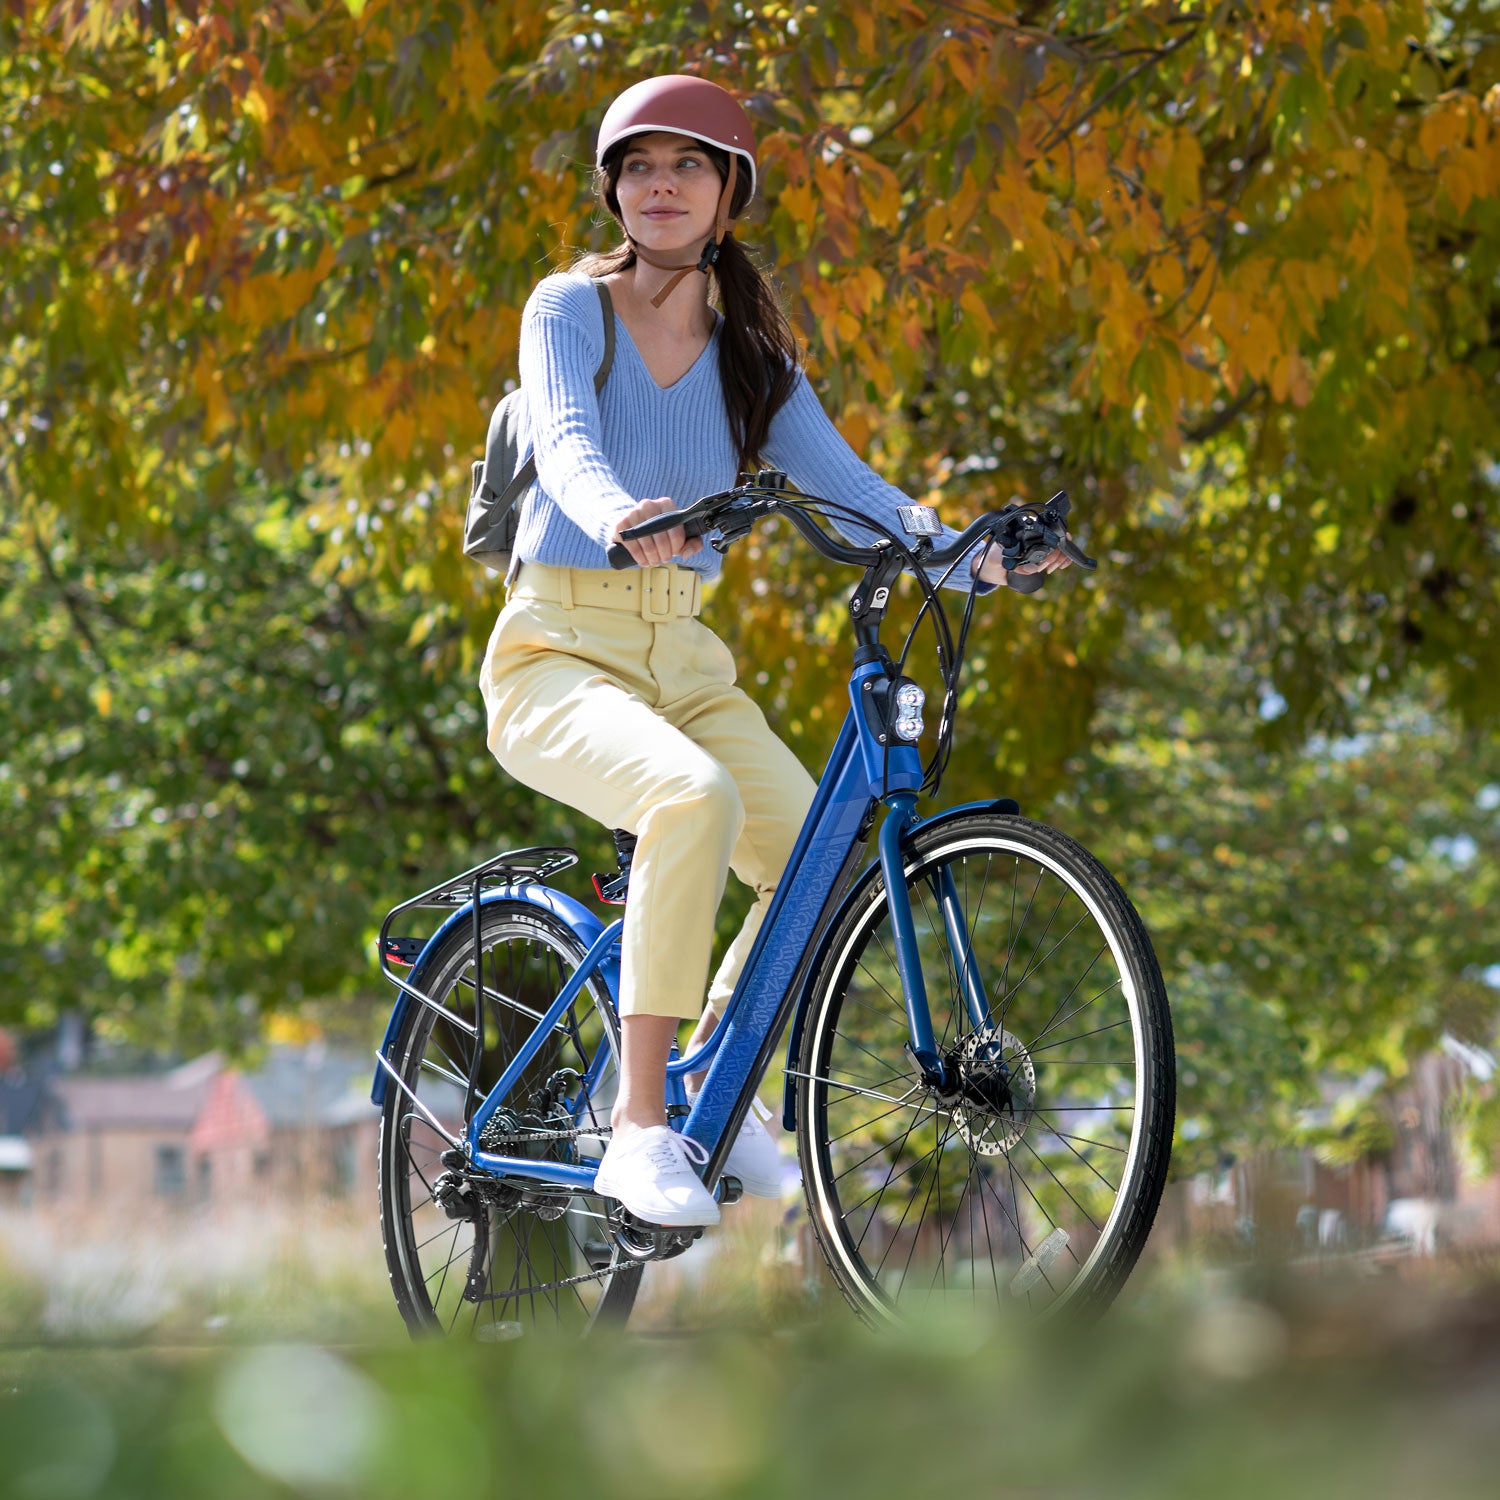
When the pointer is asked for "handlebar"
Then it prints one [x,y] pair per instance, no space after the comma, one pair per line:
[1025,534]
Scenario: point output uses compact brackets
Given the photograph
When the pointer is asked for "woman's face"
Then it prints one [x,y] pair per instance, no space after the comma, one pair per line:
[668,191]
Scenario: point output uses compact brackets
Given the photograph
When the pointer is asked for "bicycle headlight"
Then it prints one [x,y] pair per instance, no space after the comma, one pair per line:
[906,721]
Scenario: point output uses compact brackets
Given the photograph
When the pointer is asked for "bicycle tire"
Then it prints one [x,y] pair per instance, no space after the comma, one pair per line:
[521,1269]
[1069,1174]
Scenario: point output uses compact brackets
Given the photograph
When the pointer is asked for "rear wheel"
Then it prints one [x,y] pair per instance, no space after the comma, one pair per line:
[1031,1177]
[474,1256]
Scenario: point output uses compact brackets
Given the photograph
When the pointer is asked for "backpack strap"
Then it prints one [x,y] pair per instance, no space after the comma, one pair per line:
[525,476]
[607,307]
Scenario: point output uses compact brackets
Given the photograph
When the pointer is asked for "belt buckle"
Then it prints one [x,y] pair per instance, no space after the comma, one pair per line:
[657,583]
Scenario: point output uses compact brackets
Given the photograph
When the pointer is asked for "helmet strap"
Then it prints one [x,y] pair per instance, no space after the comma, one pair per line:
[710,255]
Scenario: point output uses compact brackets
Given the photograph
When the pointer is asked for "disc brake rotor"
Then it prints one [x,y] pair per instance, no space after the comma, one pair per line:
[997,1088]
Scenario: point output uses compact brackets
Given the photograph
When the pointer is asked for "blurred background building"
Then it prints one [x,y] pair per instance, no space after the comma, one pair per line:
[83,1132]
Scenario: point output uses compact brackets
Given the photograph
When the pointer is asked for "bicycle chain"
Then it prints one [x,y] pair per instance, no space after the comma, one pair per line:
[546,1137]
[551,1286]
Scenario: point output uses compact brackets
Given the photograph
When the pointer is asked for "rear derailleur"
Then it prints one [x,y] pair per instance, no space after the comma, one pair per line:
[466,1195]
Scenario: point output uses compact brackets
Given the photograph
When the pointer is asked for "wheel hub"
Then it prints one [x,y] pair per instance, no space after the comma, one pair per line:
[996,1090]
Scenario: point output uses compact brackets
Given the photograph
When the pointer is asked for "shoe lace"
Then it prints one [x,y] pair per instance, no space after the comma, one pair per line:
[674,1151]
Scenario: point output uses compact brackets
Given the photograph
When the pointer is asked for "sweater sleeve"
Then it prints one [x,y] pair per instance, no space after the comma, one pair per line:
[805,444]
[562,343]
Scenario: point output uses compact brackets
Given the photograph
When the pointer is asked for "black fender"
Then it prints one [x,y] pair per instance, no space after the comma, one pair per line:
[853,897]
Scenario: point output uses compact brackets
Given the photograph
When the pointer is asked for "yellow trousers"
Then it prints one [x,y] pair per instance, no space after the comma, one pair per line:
[605,693]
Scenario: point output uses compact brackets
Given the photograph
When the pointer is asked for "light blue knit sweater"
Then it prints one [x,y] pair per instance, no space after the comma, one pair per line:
[596,458]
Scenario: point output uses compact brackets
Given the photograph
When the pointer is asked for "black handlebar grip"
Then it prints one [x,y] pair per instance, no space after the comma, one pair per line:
[1025,583]
[619,555]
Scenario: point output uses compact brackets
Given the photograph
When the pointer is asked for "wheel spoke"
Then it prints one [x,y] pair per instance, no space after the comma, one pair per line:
[1059,1020]
[880,1192]
[1097,1031]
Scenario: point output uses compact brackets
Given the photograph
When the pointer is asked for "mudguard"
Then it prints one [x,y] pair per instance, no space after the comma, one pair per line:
[854,895]
[584,924]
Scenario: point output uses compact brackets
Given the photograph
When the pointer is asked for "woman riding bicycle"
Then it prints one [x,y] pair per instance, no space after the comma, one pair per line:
[603,690]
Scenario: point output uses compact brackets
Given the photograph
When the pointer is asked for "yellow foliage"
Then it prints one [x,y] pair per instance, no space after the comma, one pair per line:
[973,304]
[1108,269]
[1091,169]
[400,432]
[288,1030]
[256,104]
[864,28]
[881,193]
[855,426]
[476,74]
[1166,276]
[1461,183]
[208,382]
[1180,189]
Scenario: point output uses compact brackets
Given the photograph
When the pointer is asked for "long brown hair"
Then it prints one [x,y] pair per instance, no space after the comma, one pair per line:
[758,357]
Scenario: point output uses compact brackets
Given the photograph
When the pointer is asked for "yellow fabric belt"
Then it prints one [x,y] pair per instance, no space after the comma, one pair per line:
[664,593]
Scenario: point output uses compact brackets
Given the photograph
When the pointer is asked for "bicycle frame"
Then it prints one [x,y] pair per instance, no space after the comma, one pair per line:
[862,772]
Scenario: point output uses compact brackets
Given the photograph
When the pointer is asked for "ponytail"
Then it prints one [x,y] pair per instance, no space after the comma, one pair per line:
[757,350]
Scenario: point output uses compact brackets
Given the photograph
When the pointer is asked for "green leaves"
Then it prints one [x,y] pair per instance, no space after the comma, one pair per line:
[218,771]
[1318,906]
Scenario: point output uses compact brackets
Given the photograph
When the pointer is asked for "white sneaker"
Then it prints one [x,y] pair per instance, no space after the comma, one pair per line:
[651,1172]
[754,1157]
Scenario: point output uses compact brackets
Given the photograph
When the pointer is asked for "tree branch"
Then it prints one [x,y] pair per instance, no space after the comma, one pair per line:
[75,611]
[1159,56]
[1215,424]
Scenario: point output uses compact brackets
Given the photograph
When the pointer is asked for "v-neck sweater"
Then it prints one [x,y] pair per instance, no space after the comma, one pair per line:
[596,457]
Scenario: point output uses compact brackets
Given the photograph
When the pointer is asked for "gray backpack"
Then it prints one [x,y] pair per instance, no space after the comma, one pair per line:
[501,478]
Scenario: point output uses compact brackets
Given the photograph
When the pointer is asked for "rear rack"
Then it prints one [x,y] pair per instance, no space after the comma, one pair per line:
[539,864]
[516,867]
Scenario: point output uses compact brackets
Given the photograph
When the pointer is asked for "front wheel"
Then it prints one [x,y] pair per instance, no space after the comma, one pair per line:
[1030,1178]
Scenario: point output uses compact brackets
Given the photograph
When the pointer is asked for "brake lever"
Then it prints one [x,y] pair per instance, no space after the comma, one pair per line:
[1048,534]
[1051,539]
[729,535]
[1075,554]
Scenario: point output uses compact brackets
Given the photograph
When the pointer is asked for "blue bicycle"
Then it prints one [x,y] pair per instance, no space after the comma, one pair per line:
[979,1070]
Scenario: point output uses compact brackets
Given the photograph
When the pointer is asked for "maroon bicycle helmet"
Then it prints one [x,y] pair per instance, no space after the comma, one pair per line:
[683,105]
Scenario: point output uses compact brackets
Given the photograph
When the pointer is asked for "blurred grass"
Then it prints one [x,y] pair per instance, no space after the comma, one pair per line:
[280,1368]
[1195,1394]
[263,1273]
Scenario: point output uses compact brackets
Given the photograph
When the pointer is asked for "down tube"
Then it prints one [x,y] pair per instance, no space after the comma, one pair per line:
[841,805]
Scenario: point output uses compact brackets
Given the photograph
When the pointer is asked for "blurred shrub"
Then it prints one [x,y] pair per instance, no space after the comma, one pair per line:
[1297,1390]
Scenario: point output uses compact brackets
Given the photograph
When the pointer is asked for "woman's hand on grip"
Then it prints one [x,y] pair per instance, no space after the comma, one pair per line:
[992,570]
[663,546]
